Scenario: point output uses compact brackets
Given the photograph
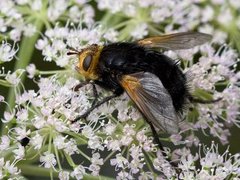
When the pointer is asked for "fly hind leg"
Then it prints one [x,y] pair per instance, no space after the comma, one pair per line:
[158,142]
[201,101]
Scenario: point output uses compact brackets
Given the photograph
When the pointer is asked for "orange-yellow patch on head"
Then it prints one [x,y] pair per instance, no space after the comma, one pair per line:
[88,61]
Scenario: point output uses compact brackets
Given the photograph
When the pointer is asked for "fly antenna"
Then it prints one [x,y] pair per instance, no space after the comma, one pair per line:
[73,51]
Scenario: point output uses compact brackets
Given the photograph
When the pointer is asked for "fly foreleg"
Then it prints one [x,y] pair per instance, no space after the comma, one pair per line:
[97,104]
[201,101]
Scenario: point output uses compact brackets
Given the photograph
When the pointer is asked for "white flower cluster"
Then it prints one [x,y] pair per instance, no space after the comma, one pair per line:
[46,115]
[57,41]
[213,76]
[213,165]
[55,44]
[213,17]
[22,16]
[115,135]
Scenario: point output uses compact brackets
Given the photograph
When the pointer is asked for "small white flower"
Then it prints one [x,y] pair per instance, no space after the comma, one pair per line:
[87,131]
[124,175]
[19,152]
[145,175]
[88,15]
[59,142]
[36,141]
[160,14]
[140,31]
[95,143]
[31,70]
[14,78]
[74,13]
[62,61]
[207,14]
[15,34]
[96,159]
[8,116]
[111,35]
[1,162]
[113,145]
[10,168]
[1,98]
[225,17]
[39,122]
[176,139]
[119,162]
[95,169]
[36,5]
[7,52]
[129,130]
[78,172]
[63,175]
[41,43]
[21,132]
[5,142]
[109,128]
[48,160]
[126,140]
[71,147]
[29,30]
[56,9]
[22,115]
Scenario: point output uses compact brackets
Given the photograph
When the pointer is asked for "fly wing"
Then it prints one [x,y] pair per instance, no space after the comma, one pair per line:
[153,100]
[184,40]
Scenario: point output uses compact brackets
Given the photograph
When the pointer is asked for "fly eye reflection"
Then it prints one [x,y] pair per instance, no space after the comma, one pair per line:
[87,62]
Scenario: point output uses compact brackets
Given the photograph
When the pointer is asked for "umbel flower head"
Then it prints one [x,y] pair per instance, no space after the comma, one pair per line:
[38,134]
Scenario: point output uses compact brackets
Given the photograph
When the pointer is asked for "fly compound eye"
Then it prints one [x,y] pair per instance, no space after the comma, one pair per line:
[87,62]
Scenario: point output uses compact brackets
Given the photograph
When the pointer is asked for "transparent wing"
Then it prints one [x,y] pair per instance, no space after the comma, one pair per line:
[184,40]
[153,100]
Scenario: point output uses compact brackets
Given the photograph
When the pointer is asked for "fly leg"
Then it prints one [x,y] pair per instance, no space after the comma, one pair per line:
[97,104]
[117,91]
[95,93]
[201,101]
[76,88]
[80,85]
[156,139]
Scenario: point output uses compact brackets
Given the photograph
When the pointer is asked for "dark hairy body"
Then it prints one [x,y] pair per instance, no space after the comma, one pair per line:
[153,81]
[126,58]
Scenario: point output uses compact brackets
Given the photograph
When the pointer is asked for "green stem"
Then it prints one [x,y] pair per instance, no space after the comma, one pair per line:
[109,156]
[5,83]
[25,53]
[84,155]
[154,30]
[31,170]
[53,72]
[109,21]
[57,157]
[69,160]
[148,161]
[80,139]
